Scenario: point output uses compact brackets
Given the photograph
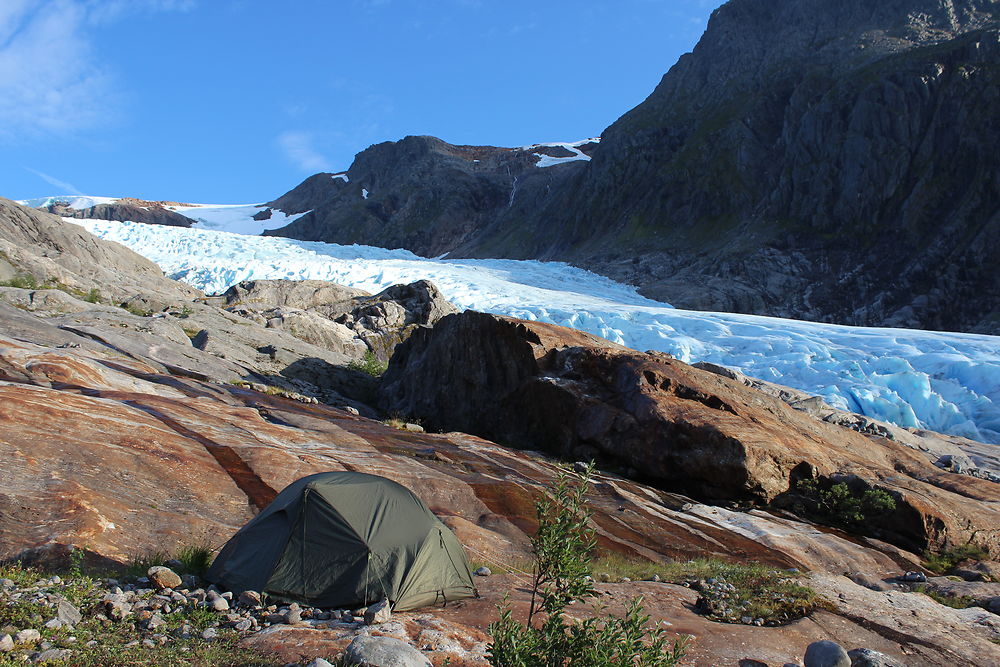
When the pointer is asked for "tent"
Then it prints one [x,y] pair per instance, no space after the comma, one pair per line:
[344,540]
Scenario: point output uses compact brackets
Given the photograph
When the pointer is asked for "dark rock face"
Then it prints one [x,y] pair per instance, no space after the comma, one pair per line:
[829,161]
[817,160]
[686,430]
[123,211]
[422,194]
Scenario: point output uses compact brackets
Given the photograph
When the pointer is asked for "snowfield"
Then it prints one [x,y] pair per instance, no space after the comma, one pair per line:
[945,382]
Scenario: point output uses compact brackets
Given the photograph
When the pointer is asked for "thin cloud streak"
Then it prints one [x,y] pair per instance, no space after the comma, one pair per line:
[52,82]
[298,148]
[66,188]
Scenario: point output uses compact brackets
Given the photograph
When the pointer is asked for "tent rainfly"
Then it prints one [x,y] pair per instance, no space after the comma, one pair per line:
[345,540]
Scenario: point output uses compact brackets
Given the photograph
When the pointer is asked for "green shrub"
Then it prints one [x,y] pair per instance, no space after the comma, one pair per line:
[26,281]
[840,506]
[747,590]
[196,559]
[369,364]
[953,601]
[562,549]
[945,560]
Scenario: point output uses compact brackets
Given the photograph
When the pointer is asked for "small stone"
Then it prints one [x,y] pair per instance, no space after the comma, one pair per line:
[294,616]
[993,605]
[746,620]
[54,624]
[275,619]
[413,428]
[29,636]
[483,571]
[219,604]
[209,634]
[67,613]
[174,564]
[656,578]
[319,662]
[383,651]
[826,654]
[917,577]
[244,625]
[378,613]
[249,599]
[6,644]
[866,657]
[748,662]
[149,643]
[625,580]
[7,583]
[163,577]
[51,655]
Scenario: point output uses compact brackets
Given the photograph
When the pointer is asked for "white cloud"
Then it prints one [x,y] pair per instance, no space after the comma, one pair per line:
[299,149]
[64,187]
[52,82]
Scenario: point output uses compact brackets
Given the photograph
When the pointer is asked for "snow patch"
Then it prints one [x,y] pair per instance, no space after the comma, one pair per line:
[73,201]
[364,193]
[573,147]
[945,382]
[235,218]
[342,177]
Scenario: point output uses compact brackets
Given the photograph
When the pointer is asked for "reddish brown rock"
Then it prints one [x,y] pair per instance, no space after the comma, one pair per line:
[683,429]
[101,452]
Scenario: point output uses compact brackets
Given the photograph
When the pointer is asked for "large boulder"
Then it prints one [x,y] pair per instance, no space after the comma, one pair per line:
[540,386]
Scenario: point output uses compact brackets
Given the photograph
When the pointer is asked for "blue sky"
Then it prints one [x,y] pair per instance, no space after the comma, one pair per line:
[236,101]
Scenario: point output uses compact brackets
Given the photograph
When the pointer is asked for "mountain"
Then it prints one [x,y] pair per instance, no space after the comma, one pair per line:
[815,160]
[427,195]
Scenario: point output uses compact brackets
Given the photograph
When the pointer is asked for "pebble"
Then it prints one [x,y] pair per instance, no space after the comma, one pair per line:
[27,636]
[249,599]
[219,604]
[6,644]
[483,571]
[378,613]
[209,634]
[319,662]
[918,577]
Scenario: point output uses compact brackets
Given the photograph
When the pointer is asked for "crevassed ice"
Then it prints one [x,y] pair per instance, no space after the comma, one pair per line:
[945,382]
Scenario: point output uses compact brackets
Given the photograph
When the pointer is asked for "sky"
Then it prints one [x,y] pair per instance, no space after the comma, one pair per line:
[237,101]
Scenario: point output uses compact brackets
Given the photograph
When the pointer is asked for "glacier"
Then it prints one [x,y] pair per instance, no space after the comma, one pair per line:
[947,382]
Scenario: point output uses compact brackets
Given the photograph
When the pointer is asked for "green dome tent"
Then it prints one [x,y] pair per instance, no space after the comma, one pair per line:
[346,539]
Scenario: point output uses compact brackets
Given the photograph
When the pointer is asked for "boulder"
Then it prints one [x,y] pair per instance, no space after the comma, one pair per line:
[865,657]
[826,654]
[689,431]
[369,651]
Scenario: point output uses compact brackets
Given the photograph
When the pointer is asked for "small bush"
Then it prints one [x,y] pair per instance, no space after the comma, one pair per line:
[369,364]
[562,548]
[196,559]
[953,601]
[137,311]
[26,281]
[741,590]
[840,506]
[944,561]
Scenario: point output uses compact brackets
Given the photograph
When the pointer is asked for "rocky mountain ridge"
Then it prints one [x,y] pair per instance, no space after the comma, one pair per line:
[806,160]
